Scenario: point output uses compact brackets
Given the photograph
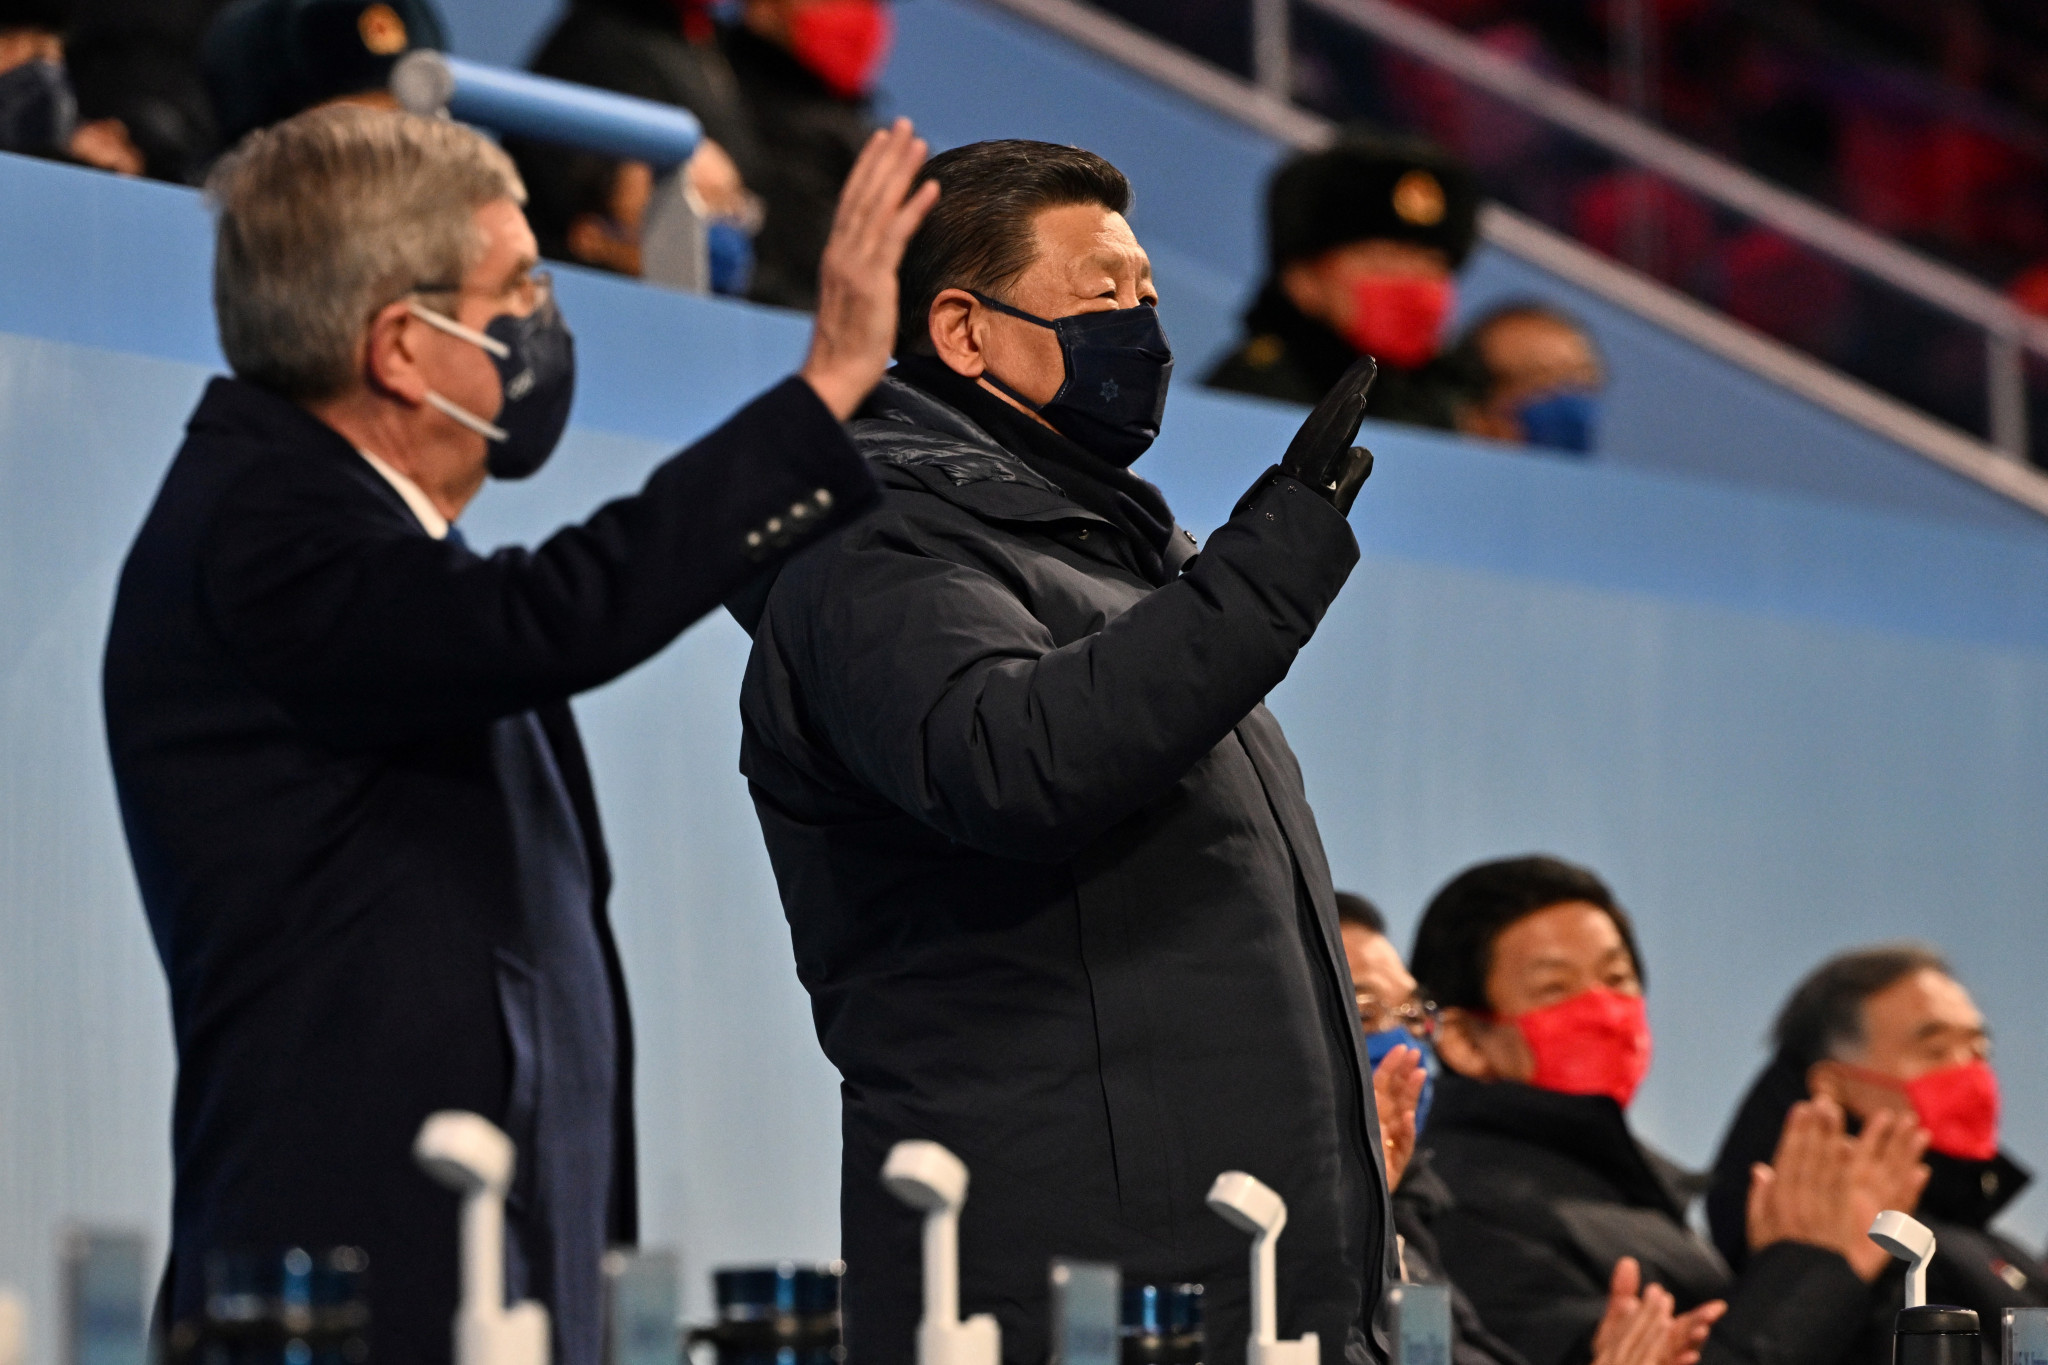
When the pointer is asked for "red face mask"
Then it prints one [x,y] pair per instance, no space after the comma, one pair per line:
[1957,1105]
[843,42]
[1596,1043]
[1397,319]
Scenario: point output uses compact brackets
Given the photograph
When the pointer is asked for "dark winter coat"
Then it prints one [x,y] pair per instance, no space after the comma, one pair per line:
[1292,357]
[1056,892]
[1973,1267]
[368,846]
[1419,1201]
[1551,1190]
[807,139]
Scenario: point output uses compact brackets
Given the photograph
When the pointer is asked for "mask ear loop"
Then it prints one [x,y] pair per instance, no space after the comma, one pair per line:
[1053,327]
[490,346]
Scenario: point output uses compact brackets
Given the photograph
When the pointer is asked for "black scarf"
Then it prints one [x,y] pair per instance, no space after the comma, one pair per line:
[1110,491]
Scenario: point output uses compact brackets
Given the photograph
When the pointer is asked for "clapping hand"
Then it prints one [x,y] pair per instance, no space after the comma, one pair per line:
[1396,1091]
[1641,1328]
[1824,1187]
[857,289]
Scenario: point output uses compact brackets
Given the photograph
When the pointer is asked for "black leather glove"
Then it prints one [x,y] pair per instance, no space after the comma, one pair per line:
[1321,454]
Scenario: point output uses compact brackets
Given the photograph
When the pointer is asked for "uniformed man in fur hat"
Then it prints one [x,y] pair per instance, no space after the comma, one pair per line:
[1363,240]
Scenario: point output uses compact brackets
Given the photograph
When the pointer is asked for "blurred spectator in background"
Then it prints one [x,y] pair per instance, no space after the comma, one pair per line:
[783,93]
[135,67]
[806,69]
[589,208]
[1362,242]
[1882,1031]
[266,60]
[1544,1038]
[1542,377]
[38,104]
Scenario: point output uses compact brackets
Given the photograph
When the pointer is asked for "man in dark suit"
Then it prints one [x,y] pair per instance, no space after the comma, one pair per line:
[352,786]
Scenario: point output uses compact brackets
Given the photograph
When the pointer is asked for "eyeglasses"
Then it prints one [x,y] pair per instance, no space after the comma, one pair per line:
[527,294]
[1416,1015]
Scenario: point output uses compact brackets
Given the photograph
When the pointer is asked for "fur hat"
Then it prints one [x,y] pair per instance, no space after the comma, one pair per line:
[266,60]
[1371,188]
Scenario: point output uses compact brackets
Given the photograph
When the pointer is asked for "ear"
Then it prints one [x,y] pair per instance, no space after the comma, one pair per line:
[390,363]
[1458,1044]
[959,332]
[1825,1080]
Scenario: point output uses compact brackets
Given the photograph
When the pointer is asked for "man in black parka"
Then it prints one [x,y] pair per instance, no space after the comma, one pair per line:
[1890,1028]
[358,810]
[1051,877]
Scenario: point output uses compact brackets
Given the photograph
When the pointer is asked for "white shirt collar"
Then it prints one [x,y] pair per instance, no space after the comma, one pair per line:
[422,506]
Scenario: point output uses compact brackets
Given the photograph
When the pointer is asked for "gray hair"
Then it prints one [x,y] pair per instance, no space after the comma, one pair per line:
[325,218]
[1824,1017]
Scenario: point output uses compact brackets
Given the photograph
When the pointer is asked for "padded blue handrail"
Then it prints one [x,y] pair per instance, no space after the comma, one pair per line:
[540,107]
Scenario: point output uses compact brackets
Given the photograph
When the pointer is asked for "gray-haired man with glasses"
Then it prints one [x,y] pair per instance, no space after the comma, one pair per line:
[356,802]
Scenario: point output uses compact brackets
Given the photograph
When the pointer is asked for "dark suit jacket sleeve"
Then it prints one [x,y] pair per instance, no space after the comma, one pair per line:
[940,691]
[1793,1302]
[369,633]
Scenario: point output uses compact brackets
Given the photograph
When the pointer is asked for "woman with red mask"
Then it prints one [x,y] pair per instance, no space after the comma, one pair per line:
[1882,1031]
[1544,1039]
[1363,240]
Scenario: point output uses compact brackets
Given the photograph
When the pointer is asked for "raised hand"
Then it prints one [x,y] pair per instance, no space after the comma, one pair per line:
[857,291]
[1321,454]
[1396,1090]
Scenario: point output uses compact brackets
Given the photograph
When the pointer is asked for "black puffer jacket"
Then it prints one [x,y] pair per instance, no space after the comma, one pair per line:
[1551,1190]
[1974,1267]
[1419,1201]
[1056,892]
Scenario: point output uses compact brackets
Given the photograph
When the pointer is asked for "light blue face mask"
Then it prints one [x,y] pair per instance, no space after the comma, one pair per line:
[1561,421]
[1378,1045]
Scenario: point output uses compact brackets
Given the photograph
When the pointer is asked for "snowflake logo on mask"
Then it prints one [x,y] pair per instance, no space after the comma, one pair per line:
[1109,390]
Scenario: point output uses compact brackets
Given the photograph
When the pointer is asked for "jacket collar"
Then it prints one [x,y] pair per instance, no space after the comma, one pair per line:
[1971,1193]
[923,442]
[236,410]
[1587,1129]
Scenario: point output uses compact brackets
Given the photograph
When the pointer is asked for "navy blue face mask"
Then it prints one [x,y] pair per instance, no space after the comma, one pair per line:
[1118,366]
[536,360]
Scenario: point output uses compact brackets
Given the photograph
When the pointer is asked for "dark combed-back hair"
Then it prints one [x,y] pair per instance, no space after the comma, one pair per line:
[1353,908]
[1824,1016]
[979,235]
[1454,943]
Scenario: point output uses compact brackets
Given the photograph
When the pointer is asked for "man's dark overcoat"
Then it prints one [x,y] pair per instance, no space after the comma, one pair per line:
[1056,891]
[368,846]
[1975,1265]
[1548,1191]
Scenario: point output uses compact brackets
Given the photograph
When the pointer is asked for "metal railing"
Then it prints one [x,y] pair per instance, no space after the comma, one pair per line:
[673,243]
[1255,106]
[2009,333]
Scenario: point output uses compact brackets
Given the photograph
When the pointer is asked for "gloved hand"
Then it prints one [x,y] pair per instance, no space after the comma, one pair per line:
[1321,454]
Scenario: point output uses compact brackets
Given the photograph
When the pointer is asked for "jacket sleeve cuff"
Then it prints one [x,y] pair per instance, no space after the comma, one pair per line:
[816,454]
[1794,1301]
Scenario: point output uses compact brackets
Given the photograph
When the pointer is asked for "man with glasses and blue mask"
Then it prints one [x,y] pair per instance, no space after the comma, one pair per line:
[357,806]
[1052,880]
